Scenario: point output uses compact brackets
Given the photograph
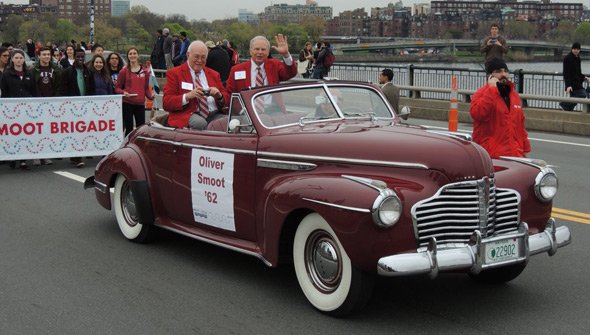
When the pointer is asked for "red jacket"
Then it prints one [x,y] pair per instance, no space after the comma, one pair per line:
[137,83]
[174,90]
[276,71]
[495,127]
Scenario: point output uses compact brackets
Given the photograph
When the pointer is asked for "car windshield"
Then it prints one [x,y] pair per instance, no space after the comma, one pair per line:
[317,103]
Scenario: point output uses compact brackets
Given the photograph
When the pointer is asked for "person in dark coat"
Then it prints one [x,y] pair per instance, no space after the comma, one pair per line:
[218,60]
[74,87]
[573,77]
[18,82]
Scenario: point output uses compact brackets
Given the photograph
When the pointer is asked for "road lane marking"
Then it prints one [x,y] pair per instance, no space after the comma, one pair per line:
[70,176]
[530,138]
[571,215]
[566,211]
[570,218]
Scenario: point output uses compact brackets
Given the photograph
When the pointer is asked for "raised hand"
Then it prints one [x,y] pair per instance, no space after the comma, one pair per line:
[282,46]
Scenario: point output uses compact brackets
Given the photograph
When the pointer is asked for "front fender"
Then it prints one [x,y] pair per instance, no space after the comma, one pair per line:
[343,203]
[125,161]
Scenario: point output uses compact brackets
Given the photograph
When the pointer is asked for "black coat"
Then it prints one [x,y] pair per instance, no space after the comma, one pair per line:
[13,86]
[70,81]
[572,72]
[218,60]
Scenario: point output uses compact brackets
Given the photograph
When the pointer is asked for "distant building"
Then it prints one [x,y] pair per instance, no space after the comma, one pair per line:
[119,7]
[349,23]
[72,8]
[31,11]
[245,15]
[284,13]
[421,9]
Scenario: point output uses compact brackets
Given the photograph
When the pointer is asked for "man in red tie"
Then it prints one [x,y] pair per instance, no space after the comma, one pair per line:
[194,94]
[261,70]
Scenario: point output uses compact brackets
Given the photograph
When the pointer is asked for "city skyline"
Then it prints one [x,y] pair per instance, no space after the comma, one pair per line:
[223,9]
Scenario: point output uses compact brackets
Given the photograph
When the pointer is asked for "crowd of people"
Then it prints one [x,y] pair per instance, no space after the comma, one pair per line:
[68,74]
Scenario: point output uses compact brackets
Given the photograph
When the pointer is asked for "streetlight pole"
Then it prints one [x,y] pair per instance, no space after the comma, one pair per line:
[91,22]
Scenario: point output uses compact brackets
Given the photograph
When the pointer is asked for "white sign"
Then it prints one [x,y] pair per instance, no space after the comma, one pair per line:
[212,189]
[60,127]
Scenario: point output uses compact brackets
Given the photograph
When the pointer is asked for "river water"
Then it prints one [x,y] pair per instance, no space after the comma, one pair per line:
[527,66]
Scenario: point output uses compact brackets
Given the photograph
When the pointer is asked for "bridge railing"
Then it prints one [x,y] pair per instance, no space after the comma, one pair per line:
[537,85]
[537,89]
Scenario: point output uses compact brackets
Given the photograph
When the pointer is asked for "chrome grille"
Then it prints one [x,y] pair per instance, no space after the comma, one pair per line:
[457,210]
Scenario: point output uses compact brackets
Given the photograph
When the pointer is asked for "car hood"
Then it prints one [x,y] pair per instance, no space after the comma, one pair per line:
[374,144]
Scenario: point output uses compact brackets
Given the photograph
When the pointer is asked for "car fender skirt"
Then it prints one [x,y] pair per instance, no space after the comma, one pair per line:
[471,257]
[143,201]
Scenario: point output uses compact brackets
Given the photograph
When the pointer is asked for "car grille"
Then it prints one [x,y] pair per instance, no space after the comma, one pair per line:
[457,210]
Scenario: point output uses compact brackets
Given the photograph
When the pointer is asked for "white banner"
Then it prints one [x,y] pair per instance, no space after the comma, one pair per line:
[60,127]
[212,175]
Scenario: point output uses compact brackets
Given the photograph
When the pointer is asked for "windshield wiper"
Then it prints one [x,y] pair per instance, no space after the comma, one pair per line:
[313,118]
[371,115]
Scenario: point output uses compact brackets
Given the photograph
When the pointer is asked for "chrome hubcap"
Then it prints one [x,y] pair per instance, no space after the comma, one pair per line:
[323,261]
[128,205]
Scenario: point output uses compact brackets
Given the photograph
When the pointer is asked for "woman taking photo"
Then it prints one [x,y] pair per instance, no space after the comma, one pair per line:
[17,82]
[69,58]
[133,83]
[114,66]
[100,82]
[305,60]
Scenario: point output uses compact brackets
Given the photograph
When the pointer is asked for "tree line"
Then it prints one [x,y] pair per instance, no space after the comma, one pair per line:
[139,26]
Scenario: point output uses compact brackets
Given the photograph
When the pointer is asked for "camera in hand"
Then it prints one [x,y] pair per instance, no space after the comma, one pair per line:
[493,41]
[206,92]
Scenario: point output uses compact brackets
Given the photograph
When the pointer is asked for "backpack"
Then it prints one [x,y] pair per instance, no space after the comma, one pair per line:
[329,59]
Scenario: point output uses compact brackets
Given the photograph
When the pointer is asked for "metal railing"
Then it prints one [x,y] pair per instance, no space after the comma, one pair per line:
[537,89]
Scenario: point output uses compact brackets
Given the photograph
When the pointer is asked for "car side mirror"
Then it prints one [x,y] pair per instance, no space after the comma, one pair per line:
[404,112]
[235,125]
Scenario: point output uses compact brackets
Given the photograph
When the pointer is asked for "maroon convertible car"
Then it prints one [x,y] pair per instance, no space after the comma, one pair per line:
[323,175]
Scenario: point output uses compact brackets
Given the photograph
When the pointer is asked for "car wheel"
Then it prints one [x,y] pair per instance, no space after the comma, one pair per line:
[324,271]
[499,275]
[127,214]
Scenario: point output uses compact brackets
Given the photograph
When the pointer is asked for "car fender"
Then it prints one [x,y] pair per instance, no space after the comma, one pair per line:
[330,196]
[125,161]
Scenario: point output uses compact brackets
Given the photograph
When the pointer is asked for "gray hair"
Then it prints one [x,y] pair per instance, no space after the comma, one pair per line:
[260,37]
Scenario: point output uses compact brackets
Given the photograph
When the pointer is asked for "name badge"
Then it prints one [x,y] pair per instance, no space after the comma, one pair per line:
[187,86]
[238,75]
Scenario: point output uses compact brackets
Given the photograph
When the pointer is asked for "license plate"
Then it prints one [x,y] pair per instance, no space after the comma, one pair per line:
[502,250]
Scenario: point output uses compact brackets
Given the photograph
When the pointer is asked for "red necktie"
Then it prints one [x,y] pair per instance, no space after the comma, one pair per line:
[202,105]
[259,103]
[259,78]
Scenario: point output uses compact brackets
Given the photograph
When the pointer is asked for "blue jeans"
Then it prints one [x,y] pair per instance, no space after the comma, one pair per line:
[318,73]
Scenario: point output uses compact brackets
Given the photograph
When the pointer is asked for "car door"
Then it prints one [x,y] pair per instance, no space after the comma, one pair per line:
[215,180]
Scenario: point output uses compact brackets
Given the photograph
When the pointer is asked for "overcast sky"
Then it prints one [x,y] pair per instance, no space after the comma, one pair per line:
[219,9]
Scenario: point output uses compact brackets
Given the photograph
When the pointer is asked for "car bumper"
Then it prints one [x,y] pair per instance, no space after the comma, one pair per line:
[471,258]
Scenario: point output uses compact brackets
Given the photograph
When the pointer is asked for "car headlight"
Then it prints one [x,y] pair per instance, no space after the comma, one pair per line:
[387,209]
[546,185]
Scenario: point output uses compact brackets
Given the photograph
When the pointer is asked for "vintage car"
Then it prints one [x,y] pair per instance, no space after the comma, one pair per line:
[324,175]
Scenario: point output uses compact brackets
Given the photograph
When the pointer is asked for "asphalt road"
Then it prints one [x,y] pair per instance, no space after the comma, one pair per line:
[66,269]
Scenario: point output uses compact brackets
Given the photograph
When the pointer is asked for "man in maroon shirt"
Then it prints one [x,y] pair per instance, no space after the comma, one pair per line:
[47,77]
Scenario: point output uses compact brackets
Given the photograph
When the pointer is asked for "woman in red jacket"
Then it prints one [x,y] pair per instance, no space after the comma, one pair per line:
[133,83]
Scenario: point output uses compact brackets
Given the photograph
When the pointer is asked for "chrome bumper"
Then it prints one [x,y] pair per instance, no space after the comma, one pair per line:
[471,256]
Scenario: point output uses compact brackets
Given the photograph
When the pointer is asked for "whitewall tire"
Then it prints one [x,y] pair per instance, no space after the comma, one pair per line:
[324,270]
